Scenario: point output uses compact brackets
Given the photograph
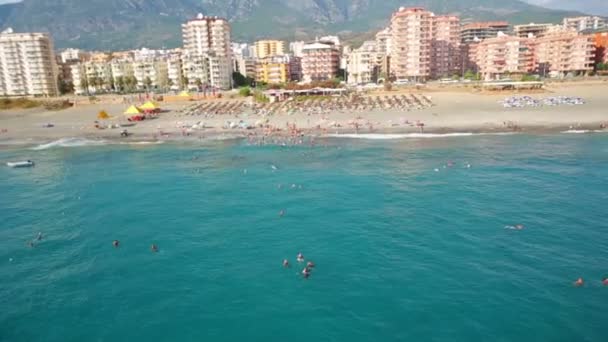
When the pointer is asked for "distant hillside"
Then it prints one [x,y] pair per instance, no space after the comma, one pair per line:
[120,24]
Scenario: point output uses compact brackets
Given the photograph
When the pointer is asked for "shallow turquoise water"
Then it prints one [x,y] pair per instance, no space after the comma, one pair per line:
[403,253]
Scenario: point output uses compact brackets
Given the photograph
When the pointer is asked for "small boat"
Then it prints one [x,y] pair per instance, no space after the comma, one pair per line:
[26,163]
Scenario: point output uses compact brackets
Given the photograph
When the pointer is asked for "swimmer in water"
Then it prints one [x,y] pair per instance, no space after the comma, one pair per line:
[515,227]
[154,248]
[310,264]
[116,243]
[306,272]
[300,257]
[605,282]
[281,213]
[39,237]
[285,263]
[579,282]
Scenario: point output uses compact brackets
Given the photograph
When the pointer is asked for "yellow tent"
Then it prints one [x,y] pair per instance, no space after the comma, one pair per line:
[149,106]
[132,111]
[184,94]
[103,115]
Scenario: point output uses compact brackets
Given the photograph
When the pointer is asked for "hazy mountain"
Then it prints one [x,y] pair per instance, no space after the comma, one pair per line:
[116,24]
[597,7]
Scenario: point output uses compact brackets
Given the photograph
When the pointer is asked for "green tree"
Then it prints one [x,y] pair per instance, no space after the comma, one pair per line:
[469,75]
[184,82]
[120,83]
[199,83]
[148,83]
[239,80]
[245,91]
[169,83]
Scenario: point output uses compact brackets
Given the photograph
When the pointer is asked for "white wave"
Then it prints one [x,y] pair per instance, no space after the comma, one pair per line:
[70,142]
[413,135]
[158,142]
[576,131]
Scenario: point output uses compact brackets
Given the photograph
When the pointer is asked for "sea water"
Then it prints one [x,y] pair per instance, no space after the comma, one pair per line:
[409,241]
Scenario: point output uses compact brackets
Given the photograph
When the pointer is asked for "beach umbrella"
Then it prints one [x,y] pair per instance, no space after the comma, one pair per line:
[103,115]
[149,107]
[132,111]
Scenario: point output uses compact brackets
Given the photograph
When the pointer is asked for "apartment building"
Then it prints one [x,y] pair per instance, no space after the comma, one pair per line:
[272,70]
[320,61]
[361,64]
[411,43]
[207,41]
[27,64]
[445,46]
[585,23]
[269,48]
[151,74]
[495,57]
[482,30]
[533,30]
[565,52]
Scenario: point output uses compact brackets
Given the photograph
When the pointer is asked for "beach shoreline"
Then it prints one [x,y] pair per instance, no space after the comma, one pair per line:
[451,112]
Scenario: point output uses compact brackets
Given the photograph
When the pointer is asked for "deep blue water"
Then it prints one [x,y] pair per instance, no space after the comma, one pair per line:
[402,253]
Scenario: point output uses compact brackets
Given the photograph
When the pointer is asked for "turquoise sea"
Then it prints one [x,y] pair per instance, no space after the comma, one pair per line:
[402,252]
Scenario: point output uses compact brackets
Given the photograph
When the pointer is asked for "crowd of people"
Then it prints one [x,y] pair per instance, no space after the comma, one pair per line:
[528,101]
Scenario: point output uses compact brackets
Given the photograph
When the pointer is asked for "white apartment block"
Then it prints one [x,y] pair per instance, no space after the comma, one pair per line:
[361,65]
[174,72]
[151,74]
[446,57]
[296,48]
[207,41]
[585,23]
[27,64]
[73,55]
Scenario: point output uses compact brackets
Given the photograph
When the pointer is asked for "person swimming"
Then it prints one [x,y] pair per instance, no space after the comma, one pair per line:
[154,248]
[286,263]
[579,282]
[281,213]
[116,243]
[310,264]
[306,272]
[605,282]
[300,257]
[39,237]
[515,227]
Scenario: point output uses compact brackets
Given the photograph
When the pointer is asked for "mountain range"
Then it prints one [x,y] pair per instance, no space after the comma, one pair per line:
[123,24]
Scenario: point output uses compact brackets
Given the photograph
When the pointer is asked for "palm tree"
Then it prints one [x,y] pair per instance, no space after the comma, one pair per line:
[120,83]
[147,83]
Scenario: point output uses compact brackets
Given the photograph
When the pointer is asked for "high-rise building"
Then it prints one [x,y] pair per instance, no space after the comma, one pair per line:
[564,52]
[482,30]
[411,43]
[269,48]
[424,45]
[446,58]
[585,23]
[27,64]
[73,55]
[320,61]
[207,41]
[383,51]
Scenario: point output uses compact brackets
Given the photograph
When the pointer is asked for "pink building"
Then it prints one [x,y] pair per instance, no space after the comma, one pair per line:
[445,46]
[411,43]
[562,52]
[320,61]
[424,45]
[495,57]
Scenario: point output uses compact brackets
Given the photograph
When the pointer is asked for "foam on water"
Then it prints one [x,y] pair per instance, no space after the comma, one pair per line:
[372,136]
[584,131]
[70,142]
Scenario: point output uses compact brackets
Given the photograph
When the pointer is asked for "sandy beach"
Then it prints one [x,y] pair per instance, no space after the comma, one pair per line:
[452,110]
